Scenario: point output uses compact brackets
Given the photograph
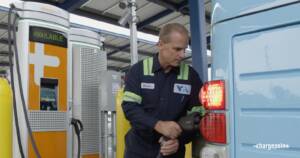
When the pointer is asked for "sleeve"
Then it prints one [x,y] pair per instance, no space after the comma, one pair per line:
[132,102]
[196,83]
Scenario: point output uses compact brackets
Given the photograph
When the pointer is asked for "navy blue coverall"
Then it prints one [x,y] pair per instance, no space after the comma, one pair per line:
[151,95]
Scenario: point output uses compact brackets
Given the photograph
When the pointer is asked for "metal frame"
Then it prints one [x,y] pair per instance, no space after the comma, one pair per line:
[4,53]
[3,41]
[196,11]
[198,42]
[4,64]
[148,21]
[3,26]
[104,18]
[122,48]
[71,5]
[171,7]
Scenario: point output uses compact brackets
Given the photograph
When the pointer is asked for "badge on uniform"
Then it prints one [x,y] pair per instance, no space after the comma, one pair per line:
[147,85]
[182,88]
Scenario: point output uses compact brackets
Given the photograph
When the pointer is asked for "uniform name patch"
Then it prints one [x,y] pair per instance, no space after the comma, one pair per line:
[147,85]
[182,88]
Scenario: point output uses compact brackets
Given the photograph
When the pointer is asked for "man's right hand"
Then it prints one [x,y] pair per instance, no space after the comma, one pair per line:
[169,129]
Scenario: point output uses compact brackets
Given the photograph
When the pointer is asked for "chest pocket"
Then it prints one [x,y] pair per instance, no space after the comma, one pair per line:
[150,92]
[150,95]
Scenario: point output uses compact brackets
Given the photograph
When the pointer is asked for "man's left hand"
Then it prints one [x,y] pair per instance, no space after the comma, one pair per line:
[169,147]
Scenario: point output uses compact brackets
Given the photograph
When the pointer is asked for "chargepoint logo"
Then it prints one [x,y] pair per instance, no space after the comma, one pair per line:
[271,146]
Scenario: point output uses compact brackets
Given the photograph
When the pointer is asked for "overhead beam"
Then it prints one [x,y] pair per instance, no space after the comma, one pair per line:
[164,4]
[109,18]
[150,20]
[94,14]
[116,49]
[119,59]
[125,49]
[115,68]
[4,64]
[4,41]
[4,53]
[71,5]
[178,7]
[3,26]
[182,5]
[122,69]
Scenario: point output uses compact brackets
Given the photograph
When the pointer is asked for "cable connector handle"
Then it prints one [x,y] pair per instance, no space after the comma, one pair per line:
[77,125]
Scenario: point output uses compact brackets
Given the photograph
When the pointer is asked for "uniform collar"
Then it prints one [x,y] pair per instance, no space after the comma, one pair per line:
[157,67]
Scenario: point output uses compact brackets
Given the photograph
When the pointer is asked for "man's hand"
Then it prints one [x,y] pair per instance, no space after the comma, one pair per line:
[169,129]
[168,147]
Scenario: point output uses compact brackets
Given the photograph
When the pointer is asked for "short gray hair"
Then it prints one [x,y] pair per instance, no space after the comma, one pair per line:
[169,28]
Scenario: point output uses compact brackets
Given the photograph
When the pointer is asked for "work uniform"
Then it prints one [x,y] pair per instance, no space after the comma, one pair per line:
[151,95]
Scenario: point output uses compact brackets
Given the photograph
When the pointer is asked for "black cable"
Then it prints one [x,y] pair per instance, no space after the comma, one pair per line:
[13,84]
[21,91]
[20,85]
[78,128]
[78,146]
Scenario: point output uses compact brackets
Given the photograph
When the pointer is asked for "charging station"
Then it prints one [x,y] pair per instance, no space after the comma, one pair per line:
[42,42]
[88,60]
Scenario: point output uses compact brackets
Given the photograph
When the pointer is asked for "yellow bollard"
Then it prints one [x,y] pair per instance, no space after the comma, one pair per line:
[122,125]
[5,119]
[188,150]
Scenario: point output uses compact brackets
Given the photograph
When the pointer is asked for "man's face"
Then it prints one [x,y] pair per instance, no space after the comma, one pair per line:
[173,51]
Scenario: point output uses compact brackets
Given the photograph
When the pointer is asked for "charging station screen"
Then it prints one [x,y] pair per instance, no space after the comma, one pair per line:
[49,91]
[46,35]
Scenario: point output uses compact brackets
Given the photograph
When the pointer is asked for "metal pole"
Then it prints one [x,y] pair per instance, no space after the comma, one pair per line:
[102,134]
[106,131]
[198,32]
[133,32]
[114,133]
[199,51]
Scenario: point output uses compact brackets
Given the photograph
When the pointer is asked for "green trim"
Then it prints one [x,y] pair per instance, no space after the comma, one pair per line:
[132,97]
[145,65]
[197,108]
[148,64]
[184,72]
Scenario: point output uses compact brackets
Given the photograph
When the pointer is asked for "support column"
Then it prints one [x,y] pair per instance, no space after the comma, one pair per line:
[198,32]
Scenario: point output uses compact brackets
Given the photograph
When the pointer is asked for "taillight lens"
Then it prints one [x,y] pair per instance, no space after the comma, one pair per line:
[213,127]
[212,95]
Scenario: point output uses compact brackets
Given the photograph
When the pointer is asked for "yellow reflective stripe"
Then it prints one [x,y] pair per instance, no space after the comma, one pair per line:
[145,64]
[132,97]
[148,64]
[184,72]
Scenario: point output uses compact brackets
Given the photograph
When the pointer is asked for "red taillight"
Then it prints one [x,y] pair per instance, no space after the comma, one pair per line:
[212,95]
[213,127]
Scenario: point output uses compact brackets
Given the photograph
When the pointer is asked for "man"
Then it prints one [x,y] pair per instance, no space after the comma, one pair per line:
[158,91]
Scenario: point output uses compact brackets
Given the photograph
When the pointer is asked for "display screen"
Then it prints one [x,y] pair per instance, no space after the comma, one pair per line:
[49,36]
[48,95]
